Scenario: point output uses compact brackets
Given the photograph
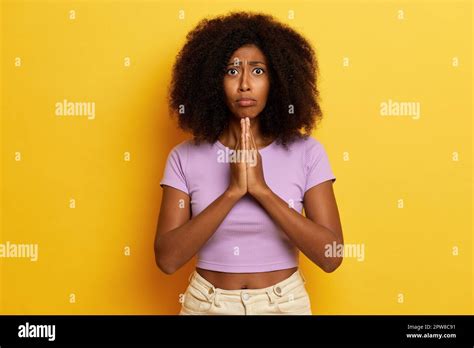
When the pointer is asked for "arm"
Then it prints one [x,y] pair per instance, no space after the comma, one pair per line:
[179,238]
[312,233]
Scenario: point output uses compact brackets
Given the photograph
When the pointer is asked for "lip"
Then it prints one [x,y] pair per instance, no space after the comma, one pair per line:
[246,102]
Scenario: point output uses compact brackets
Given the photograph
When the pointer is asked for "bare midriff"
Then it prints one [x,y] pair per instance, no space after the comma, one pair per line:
[234,281]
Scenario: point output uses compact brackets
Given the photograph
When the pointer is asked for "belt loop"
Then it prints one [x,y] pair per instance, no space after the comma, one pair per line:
[210,291]
[215,297]
[270,297]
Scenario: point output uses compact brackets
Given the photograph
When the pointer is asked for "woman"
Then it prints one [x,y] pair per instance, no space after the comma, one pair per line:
[245,85]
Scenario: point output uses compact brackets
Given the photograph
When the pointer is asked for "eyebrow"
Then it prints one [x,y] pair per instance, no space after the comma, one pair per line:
[254,62]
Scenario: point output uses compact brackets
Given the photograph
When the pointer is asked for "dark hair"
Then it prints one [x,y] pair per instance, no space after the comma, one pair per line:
[198,72]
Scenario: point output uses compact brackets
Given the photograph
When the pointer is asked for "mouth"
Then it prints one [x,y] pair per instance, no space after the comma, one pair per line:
[246,102]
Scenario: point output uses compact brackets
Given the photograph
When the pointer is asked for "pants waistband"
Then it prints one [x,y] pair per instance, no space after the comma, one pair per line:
[279,289]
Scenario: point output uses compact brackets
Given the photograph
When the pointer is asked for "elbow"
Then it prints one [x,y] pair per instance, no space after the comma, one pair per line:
[164,266]
[332,264]
[333,260]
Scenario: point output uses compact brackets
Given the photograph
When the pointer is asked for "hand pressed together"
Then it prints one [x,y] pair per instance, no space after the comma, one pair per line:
[247,170]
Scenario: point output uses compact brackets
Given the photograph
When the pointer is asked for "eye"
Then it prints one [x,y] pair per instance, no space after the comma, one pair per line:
[260,70]
[227,72]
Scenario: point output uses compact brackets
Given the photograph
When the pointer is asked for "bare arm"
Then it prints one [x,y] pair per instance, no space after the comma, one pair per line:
[314,234]
[179,238]
[311,234]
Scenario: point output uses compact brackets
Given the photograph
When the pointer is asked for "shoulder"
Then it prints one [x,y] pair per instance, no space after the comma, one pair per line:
[311,149]
[181,149]
[311,142]
[178,155]
[189,150]
[307,144]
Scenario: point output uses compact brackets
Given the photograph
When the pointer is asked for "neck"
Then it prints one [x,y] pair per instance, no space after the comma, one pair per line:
[231,134]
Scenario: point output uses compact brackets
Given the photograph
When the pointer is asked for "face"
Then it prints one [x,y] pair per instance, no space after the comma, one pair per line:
[246,82]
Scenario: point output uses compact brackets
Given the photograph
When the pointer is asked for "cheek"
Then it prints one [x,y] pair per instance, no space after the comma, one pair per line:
[228,90]
[264,89]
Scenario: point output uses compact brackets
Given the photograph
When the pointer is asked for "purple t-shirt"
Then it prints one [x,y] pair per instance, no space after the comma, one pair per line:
[247,240]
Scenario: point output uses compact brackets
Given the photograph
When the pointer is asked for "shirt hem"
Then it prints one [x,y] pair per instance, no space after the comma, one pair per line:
[174,185]
[320,181]
[246,268]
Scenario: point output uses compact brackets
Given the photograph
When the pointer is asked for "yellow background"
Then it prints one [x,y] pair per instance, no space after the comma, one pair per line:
[377,160]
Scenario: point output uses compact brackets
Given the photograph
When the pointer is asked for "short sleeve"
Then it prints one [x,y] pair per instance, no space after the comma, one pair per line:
[174,173]
[317,165]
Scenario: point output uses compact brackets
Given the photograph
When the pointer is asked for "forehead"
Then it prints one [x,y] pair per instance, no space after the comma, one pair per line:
[249,52]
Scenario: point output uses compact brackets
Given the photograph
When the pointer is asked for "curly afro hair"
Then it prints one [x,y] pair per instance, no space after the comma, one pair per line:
[196,94]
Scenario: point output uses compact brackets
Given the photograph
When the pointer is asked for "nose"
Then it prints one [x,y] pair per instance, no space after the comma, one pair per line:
[244,83]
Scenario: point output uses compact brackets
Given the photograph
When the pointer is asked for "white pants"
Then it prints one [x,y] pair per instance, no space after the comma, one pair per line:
[288,297]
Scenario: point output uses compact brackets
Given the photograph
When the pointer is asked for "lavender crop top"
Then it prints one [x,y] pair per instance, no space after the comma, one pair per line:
[247,240]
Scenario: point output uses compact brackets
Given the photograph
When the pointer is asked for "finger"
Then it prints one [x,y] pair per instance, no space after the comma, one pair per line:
[254,150]
[236,150]
[246,135]
[241,139]
[252,139]
[242,136]
[249,143]
[249,146]
[250,136]
[242,130]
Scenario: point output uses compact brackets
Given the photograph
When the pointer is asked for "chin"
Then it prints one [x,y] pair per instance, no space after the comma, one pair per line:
[249,116]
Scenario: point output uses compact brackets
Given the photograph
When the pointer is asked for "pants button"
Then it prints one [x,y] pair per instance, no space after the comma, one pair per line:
[245,296]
